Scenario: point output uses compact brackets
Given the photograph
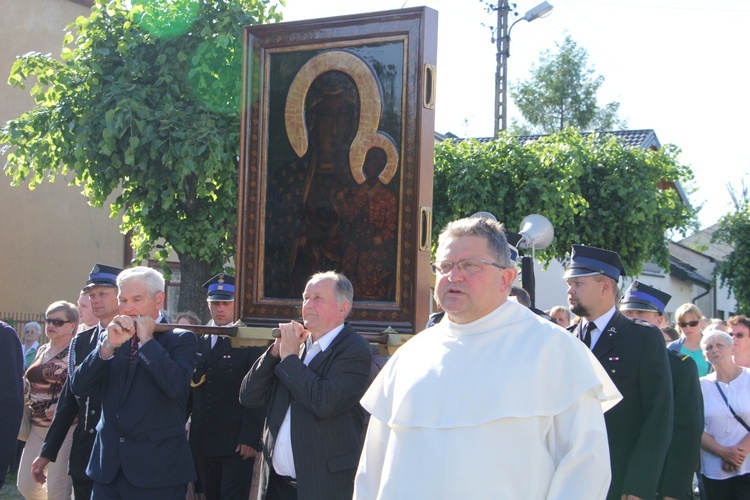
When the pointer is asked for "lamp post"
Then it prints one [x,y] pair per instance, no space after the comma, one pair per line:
[503,43]
[536,233]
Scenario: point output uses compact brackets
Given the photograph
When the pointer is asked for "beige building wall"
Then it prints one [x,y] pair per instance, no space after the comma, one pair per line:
[50,237]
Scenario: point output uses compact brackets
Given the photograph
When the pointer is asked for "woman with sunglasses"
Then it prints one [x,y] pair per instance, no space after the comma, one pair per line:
[725,468]
[44,380]
[688,318]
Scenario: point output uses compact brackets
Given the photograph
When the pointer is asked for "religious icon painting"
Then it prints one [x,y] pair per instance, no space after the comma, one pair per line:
[336,165]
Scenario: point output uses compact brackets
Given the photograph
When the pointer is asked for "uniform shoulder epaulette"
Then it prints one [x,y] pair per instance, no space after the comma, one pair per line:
[678,355]
[641,322]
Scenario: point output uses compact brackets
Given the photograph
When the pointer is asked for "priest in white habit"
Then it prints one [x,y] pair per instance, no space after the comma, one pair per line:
[491,402]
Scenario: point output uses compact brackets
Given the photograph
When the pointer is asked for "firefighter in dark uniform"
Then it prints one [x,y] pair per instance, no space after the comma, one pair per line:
[634,355]
[102,288]
[225,436]
[647,303]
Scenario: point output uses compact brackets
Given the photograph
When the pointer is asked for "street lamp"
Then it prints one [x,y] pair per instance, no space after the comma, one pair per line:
[536,233]
[503,43]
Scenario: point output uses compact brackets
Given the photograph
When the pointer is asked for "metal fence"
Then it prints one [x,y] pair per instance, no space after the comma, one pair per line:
[18,320]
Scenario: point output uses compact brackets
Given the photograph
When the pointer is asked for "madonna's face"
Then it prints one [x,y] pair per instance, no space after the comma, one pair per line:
[335,120]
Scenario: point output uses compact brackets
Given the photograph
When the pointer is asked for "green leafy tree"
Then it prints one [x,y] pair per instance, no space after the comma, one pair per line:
[734,230]
[593,189]
[145,104]
[562,93]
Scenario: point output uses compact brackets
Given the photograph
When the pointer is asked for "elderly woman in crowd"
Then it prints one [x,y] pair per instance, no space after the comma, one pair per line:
[31,333]
[688,318]
[45,378]
[726,436]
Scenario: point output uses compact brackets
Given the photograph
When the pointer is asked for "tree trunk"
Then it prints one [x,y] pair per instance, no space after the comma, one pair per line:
[193,273]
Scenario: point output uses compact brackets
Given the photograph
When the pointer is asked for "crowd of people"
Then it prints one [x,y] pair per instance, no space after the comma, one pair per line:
[119,405]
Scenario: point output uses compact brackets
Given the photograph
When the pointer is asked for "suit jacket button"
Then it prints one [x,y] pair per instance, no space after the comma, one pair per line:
[91,431]
[614,371]
[122,440]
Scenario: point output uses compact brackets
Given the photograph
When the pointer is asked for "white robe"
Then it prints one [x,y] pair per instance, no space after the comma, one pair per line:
[508,406]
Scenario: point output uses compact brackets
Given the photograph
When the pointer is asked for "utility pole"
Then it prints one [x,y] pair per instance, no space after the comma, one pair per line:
[501,74]
[503,52]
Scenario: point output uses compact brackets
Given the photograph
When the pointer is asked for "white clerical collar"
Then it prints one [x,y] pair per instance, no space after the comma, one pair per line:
[507,312]
[326,339]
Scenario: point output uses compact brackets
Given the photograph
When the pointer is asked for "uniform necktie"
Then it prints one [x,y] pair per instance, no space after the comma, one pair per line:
[590,327]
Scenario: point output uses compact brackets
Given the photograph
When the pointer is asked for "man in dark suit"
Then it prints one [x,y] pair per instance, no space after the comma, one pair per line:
[143,380]
[102,290]
[312,378]
[224,436]
[11,395]
[645,302]
[635,357]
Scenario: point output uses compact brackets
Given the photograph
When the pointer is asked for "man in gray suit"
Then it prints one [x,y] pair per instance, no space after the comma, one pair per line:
[312,378]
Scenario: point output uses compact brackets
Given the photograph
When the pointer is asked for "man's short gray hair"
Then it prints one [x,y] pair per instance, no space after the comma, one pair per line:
[490,230]
[342,286]
[152,278]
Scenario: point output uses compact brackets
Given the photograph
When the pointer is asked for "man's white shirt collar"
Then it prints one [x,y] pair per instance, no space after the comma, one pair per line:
[601,323]
[326,340]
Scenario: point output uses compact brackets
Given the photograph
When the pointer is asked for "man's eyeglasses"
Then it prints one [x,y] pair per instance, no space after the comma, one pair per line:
[56,322]
[466,266]
[685,324]
[737,335]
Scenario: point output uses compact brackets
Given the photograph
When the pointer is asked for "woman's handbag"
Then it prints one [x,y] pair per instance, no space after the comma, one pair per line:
[23,432]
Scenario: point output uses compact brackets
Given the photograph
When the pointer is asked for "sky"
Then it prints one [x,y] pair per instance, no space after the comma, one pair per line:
[678,67]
